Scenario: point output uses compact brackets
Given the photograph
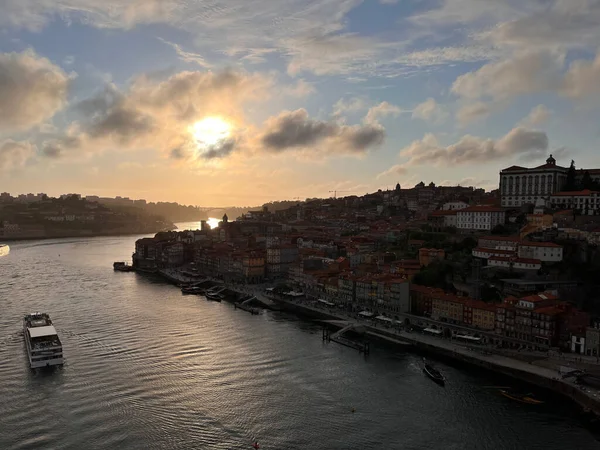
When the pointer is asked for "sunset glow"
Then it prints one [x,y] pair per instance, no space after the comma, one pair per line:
[210,131]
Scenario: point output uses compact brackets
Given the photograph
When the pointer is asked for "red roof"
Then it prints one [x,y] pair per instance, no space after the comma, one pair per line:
[541,244]
[481,208]
[575,193]
[514,168]
[543,297]
[493,250]
[449,212]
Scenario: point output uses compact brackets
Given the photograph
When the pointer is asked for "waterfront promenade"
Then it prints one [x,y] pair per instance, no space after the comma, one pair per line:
[535,368]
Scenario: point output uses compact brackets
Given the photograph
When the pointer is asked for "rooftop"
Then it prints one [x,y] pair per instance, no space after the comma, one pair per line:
[480,208]
[540,244]
[584,192]
[48,330]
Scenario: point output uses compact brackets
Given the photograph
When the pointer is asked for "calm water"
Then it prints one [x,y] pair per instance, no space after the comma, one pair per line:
[148,368]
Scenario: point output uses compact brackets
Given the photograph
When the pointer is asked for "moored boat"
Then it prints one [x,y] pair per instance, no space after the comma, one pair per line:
[122,266]
[433,373]
[44,348]
[195,290]
[4,249]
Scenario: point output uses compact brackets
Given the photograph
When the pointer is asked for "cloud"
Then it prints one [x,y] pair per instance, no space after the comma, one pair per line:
[381,110]
[582,80]
[472,112]
[221,150]
[353,104]
[32,90]
[518,142]
[189,57]
[14,154]
[560,24]
[158,114]
[537,116]
[397,169]
[301,89]
[523,73]
[296,130]
[430,111]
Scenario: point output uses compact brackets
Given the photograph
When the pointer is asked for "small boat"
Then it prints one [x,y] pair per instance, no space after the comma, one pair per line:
[122,266]
[433,373]
[214,297]
[522,398]
[195,290]
[4,249]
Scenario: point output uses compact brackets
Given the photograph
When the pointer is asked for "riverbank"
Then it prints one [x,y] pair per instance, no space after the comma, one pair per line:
[80,234]
[544,377]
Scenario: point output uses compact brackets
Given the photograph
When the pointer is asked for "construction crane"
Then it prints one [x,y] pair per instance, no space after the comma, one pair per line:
[336,191]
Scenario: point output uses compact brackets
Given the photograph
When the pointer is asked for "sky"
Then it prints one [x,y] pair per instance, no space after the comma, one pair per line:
[240,102]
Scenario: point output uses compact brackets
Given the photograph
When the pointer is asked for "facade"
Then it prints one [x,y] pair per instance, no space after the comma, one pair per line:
[480,218]
[446,309]
[451,206]
[399,296]
[442,218]
[543,251]
[592,340]
[509,262]
[521,185]
[347,288]
[586,201]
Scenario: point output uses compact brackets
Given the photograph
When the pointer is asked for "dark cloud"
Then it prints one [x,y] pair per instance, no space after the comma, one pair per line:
[177,153]
[518,142]
[221,150]
[32,89]
[295,129]
[58,147]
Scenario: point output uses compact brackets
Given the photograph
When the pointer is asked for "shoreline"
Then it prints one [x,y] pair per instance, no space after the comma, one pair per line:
[71,236]
[412,341]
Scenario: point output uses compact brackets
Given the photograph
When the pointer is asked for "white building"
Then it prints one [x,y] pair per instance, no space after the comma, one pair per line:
[520,185]
[544,251]
[508,262]
[480,218]
[586,201]
[451,206]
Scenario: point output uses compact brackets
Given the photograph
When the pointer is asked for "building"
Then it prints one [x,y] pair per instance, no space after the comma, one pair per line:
[347,288]
[448,308]
[480,217]
[592,340]
[442,218]
[521,185]
[513,263]
[399,296]
[499,242]
[543,251]
[451,206]
[586,202]
[429,255]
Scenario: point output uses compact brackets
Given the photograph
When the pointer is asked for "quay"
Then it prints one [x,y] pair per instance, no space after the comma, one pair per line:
[544,377]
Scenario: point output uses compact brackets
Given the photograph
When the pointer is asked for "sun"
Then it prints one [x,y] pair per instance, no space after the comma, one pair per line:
[210,131]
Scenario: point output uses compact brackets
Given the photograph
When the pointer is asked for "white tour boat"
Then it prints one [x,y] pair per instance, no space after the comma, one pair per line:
[43,345]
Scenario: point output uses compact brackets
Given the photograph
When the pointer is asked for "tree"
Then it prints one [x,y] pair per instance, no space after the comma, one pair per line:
[570,183]
[500,229]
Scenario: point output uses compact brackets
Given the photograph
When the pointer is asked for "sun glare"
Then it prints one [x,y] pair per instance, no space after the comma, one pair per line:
[210,131]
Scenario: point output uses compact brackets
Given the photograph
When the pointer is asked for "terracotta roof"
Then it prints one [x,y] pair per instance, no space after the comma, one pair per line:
[549,310]
[449,212]
[543,297]
[493,250]
[480,208]
[575,193]
[540,244]
[514,168]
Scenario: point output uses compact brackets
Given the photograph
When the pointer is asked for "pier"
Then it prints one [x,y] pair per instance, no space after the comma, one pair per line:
[338,337]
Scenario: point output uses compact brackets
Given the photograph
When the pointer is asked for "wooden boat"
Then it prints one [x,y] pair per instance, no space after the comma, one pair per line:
[522,398]
[433,373]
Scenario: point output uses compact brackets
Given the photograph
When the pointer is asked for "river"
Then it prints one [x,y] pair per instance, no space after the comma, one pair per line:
[149,368]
